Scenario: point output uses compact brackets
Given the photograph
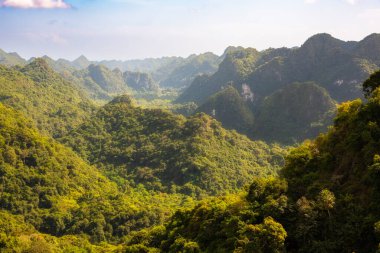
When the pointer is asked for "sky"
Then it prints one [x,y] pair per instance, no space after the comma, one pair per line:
[135,29]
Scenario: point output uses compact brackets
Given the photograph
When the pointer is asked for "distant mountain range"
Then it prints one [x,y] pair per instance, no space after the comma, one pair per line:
[255,81]
[262,79]
[177,72]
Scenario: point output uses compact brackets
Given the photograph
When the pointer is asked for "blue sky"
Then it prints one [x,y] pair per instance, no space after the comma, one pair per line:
[129,29]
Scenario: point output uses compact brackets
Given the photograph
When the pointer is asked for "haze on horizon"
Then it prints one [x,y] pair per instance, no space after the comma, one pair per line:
[135,29]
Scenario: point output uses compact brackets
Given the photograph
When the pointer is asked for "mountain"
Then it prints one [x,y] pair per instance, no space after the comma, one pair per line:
[325,200]
[148,65]
[57,193]
[232,70]
[228,107]
[170,153]
[81,62]
[336,65]
[101,83]
[98,77]
[60,66]
[294,113]
[182,75]
[54,104]
[11,59]
[369,48]
[140,81]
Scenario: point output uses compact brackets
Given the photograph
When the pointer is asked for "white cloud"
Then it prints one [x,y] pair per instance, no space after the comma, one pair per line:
[36,4]
[310,1]
[352,2]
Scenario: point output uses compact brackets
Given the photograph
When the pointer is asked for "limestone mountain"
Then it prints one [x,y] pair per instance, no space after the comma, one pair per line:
[140,81]
[228,107]
[81,62]
[182,75]
[236,65]
[55,192]
[294,113]
[55,105]
[167,152]
[110,81]
[325,200]
[335,65]
[11,59]
[338,66]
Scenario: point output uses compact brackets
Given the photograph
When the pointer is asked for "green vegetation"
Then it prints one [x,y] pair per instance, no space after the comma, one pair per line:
[228,107]
[55,105]
[169,153]
[100,82]
[234,223]
[127,178]
[337,66]
[57,193]
[237,64]
[11,59]
[326,199]
[182,75]
[294,113]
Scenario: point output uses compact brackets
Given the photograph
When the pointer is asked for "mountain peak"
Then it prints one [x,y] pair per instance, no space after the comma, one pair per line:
[81,62]
[373,36]
[39,70]
[81,58]
[122,99]
[40,64]
[322,39]
[369,48]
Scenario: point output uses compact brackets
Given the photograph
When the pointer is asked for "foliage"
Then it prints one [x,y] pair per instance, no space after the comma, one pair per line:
[294,113]
[59,194]
[371,84]
[338,67]
[325,201]
[228,107]
[169,153]
[234,223]
[182,75]
[11,59]
[54,104]
[334,182]
[236,65]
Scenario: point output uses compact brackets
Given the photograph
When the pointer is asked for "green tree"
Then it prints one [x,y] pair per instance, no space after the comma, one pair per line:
[371,84]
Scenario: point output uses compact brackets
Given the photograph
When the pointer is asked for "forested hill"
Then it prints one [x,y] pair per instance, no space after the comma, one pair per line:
[264,79]
[326,200]
[50,189]
[54,104]
[170,153]
[338,66]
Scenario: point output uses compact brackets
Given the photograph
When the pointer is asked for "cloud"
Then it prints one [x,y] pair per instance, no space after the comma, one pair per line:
[310,1]
[36,4]
[46,38]
[352,2]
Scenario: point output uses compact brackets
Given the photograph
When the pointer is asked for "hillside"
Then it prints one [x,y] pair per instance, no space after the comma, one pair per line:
[326,200]
[294,113]
[237,63]
[229,108]
[182,76]
[98,77]
[141,82]
[169,153]
[11,59]
[338,66]
[55,105]
[55,191]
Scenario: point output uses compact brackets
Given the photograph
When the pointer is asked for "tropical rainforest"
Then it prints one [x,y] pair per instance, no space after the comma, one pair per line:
[251,151]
